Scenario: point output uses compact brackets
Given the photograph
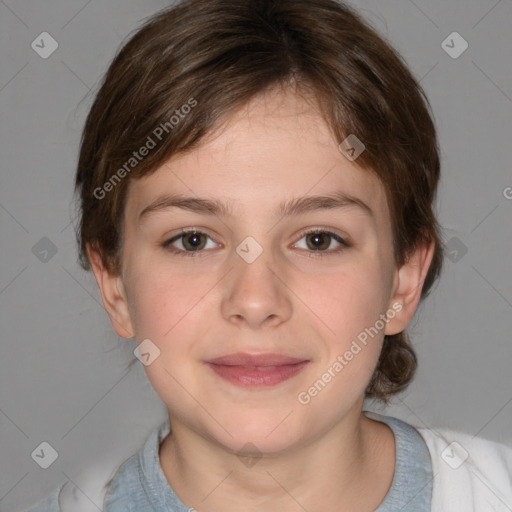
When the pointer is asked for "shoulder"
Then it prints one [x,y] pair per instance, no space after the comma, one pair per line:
[123,487]
[50,504]
[126,490]
[138,478]
[70,498]
[120,494]
[470,473]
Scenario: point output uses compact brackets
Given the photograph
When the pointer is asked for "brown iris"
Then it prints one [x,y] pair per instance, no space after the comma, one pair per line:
[194,241]
[318,241]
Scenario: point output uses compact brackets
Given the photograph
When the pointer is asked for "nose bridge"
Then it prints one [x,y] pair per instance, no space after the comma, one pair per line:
[254,293]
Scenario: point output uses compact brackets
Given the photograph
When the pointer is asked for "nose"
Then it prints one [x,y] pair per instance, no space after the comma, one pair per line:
[255,294]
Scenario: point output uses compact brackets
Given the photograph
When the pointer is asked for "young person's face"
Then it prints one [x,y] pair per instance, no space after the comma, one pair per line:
[290,300]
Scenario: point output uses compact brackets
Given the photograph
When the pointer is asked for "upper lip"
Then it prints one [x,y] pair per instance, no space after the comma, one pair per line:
[252,360]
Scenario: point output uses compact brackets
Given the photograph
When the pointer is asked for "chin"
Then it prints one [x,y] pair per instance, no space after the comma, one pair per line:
[270,435]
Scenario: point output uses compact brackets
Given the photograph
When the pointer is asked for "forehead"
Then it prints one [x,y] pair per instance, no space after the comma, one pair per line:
[277,147]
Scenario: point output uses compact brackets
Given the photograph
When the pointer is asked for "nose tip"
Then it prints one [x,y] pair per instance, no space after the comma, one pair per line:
[254,295]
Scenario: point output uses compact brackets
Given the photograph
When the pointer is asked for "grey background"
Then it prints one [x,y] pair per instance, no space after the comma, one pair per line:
[63,374]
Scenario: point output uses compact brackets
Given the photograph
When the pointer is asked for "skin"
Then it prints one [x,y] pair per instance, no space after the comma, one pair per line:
[325,455]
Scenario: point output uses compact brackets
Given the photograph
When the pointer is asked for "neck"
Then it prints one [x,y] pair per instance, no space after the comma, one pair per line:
[348,468]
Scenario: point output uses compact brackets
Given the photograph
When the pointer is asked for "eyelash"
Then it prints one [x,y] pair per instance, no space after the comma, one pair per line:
[312,254]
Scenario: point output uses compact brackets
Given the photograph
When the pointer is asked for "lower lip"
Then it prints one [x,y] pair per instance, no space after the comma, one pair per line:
[257,377]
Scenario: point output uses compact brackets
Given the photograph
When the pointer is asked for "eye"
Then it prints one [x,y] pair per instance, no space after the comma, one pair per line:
[191,241]
[319,240]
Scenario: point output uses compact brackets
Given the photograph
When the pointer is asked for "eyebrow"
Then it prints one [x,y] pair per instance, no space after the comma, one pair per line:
[296,206]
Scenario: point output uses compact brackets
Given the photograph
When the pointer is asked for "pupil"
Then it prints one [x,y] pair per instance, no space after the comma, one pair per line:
[319,241]
[193,241]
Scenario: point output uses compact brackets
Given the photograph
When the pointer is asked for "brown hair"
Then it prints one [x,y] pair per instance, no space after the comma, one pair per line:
[192,65]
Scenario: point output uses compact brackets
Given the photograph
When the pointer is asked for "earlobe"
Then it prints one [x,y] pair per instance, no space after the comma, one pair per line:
[407,288]
[113,295]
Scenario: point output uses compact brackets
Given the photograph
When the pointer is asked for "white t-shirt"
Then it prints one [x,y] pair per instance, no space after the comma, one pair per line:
[470,474]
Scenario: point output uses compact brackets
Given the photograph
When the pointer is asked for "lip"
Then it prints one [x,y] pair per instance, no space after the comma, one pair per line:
[256,370]
[246,359]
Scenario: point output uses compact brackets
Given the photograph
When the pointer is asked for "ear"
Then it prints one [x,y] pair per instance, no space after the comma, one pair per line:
[112,294]
[407,287]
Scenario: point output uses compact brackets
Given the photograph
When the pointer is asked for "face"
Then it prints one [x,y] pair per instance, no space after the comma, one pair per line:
[227,255]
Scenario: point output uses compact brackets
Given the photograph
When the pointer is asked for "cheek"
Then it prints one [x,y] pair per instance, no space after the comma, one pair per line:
[167,308]
[349,303]
[162,300]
